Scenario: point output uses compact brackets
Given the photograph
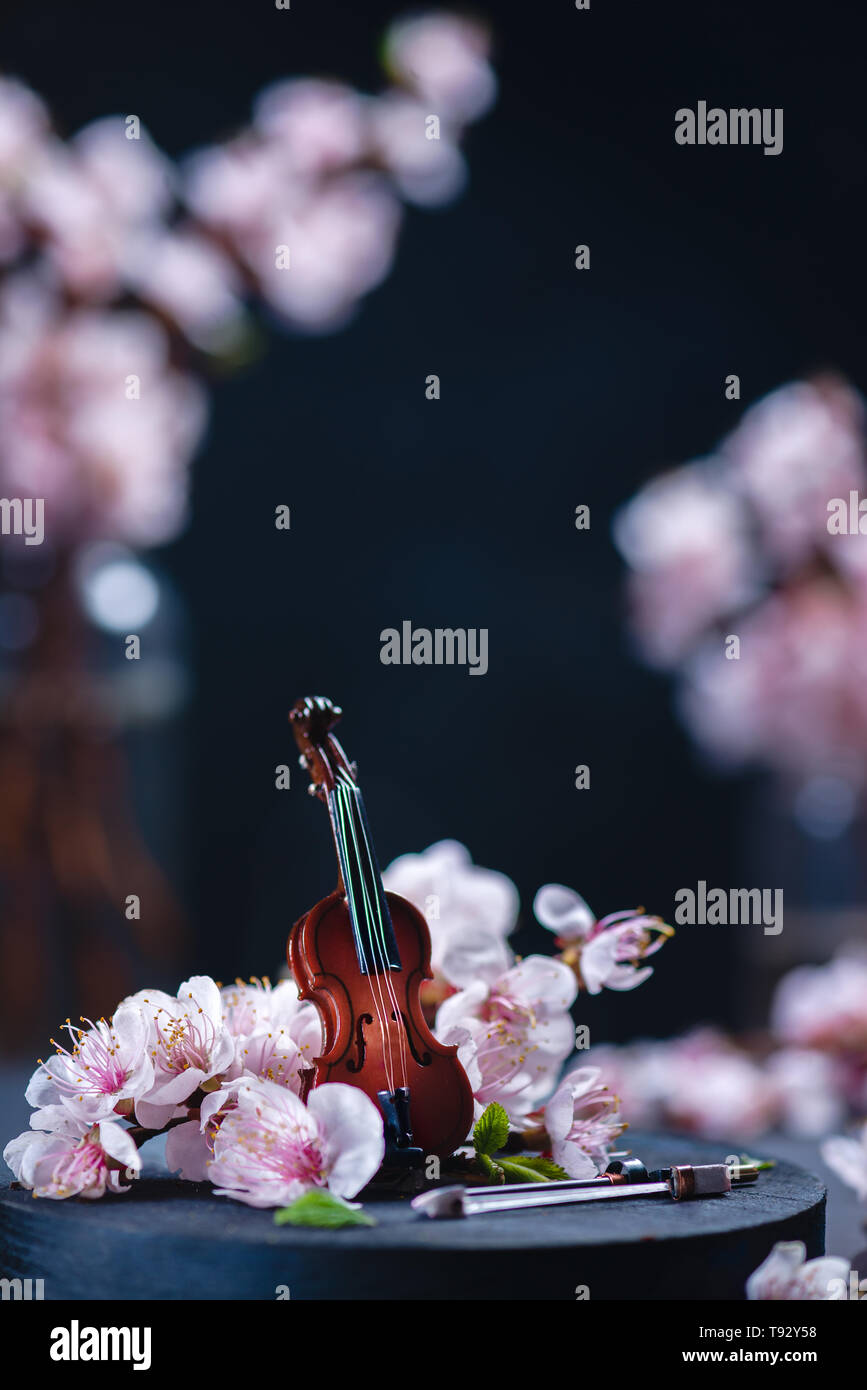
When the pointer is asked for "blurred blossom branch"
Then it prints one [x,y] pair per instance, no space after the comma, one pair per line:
[805,1075]
[123,272]
[125,279]
[746,543]
[740,543]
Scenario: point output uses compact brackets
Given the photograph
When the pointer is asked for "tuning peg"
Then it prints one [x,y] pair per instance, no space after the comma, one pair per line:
[336,711]
[302,761]
[314,789]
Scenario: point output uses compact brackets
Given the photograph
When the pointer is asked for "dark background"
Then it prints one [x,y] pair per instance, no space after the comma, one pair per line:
[558,387]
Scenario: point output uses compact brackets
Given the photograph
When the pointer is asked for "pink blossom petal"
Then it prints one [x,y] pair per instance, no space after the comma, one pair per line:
[153,1116]
[787,1275]
[188,1151]
[352,1129]
[563,911]
[848,1159]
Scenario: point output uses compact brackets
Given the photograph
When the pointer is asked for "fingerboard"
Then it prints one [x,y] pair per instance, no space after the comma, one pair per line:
[372,928]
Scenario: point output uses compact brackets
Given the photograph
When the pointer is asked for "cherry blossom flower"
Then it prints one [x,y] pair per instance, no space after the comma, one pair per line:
[428,172]
[315,128]
[564,912]
[189,1043]
[109,466]
[514,1032]
[685,537]
[809,1088]
[847,1157]
[581,1121]
[340,239]
[740,543]
[23,128]
[611,957]
[793,451]
[338,234]
[716,1090]
[75,1159]
[469,910]
[797,697]
[190,1143]
[444,59]
[107,1066]
[320,170]
[230,187]
[249,1005]
[276,1037]
[88,197]
[495,1073]
[136,180]
[787,1275]
[301,210]
[271,1148]
[638,1074]
[700,1083]
[258,1010]
[704,1083]
[824,1006]
[268,1050]
[188,278]
[603,954]
[272,1056]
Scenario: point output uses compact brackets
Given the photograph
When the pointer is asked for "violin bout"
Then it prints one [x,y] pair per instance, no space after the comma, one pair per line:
[374,1033]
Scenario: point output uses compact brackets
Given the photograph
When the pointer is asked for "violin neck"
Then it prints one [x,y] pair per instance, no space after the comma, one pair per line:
[372,929]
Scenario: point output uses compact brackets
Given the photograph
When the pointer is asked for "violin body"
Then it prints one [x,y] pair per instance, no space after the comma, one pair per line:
[321,955]
[361,956]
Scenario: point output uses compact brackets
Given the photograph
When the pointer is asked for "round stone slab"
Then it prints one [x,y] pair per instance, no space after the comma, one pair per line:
[167,1239]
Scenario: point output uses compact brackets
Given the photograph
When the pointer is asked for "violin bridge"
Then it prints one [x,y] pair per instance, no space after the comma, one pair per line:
[400,1152]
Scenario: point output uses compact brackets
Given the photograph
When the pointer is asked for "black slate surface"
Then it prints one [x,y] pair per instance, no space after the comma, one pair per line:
[172,1240]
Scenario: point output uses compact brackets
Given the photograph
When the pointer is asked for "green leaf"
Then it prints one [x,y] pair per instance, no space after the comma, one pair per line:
[321,1208]
[519,1170]
[491,1130]
[548,1169]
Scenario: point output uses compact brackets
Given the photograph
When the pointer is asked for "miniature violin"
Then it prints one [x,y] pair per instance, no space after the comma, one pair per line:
[361,956]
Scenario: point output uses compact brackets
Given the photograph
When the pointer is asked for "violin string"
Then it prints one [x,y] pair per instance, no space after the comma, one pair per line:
[380,924]
[378,946]
[370,965]
[350,892]
[375,977]
[377,922]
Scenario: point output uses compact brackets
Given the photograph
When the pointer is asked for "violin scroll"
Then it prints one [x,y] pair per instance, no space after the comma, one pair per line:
[312,719]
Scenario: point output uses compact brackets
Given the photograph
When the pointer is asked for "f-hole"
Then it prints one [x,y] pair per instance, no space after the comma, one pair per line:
[425,1059]
[355,1064]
